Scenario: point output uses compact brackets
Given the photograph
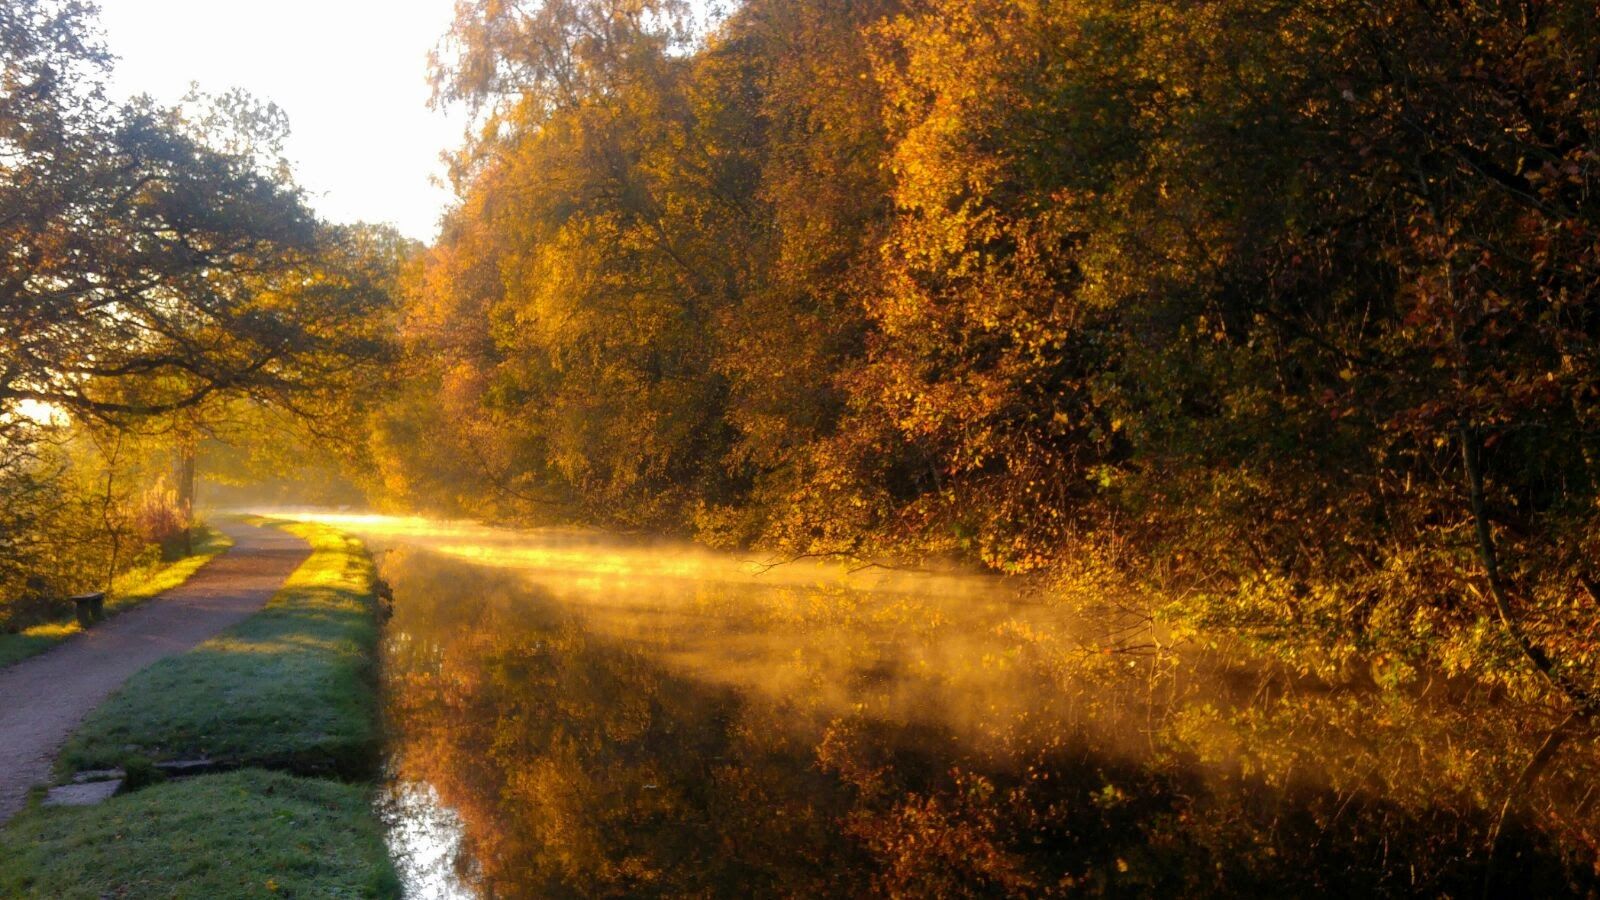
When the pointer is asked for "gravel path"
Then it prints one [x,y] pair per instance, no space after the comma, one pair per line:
[44,698]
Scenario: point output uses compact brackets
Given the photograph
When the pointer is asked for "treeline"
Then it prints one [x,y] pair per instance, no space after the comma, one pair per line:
[162,283]
[1285,313]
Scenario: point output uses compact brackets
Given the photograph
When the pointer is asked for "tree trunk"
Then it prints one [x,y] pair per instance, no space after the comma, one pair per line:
[1582,697]
[186,477]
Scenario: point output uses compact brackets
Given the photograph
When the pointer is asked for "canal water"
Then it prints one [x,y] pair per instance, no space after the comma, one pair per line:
[577,714]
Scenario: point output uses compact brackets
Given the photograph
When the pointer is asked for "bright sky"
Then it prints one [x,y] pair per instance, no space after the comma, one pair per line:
[351,74]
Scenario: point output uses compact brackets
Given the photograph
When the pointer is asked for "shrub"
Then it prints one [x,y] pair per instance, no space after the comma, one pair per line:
[160,520]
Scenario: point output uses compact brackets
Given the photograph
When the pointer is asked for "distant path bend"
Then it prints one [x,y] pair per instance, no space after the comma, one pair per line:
[43,699]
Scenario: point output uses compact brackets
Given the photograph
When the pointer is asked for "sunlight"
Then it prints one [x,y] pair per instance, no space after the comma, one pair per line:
[42,413]
[574,552]
[828,448]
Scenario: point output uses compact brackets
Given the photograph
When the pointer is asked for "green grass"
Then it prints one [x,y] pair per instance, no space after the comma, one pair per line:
[244,834]
[292,687]
[129,590]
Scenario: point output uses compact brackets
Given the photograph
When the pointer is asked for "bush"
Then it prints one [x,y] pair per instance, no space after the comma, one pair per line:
[160,520]
[34,604]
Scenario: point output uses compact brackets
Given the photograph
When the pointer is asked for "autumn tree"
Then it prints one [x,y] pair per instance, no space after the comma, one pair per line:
[1285,308]
[158,260]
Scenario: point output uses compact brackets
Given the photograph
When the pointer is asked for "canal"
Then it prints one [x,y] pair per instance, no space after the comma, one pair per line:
[578,714]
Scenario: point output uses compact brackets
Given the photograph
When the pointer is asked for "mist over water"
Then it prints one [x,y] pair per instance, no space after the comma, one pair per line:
[598,715]
[953,650]
[565,553]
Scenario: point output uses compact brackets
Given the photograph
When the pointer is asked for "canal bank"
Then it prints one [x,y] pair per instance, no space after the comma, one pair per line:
[282,710]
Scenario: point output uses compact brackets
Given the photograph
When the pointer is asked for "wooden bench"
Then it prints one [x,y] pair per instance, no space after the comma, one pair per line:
[91,608]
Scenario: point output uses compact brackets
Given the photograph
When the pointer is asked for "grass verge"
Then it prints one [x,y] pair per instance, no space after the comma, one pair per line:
[129,590]
[244,834]
[292,687]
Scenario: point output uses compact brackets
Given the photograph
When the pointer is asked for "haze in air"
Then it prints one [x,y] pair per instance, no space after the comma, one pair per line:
[913,448]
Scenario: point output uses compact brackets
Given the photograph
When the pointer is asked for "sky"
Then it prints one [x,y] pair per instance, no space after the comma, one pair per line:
[351,74]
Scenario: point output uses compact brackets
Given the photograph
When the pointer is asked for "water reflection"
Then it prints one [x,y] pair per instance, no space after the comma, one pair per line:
[616,720]
[425,839]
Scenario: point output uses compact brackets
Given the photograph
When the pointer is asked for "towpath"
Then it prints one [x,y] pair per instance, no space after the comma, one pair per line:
[44,698]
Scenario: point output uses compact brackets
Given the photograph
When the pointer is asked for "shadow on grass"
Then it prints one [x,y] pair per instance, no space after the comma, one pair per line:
[244,834]
[292,687]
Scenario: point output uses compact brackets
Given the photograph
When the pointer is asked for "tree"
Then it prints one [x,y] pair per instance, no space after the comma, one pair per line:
[159,261]
[1230,293]
[156,257]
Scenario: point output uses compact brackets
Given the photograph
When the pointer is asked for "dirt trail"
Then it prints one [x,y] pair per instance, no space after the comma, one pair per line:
[44,698]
